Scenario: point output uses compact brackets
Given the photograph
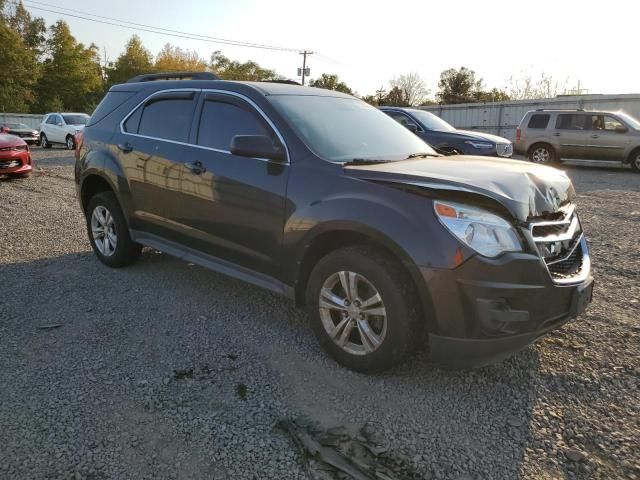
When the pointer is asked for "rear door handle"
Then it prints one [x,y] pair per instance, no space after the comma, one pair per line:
[195,167]
[595,136]
[557,134]
[125,147]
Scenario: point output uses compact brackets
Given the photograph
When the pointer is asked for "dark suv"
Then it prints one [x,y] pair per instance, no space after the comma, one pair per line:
[446,138]
[318,196]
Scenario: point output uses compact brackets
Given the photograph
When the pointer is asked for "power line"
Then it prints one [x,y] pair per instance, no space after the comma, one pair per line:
[32,4]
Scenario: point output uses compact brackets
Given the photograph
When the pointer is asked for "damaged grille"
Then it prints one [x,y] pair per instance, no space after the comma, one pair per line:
[560,242]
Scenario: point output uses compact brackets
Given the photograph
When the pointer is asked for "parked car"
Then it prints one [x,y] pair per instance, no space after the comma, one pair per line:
[318,196]
[15,157]
[547,136]
[30,135]
[446,138]
[61,128]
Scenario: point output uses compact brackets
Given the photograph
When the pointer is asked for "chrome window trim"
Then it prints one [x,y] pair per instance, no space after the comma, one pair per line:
[202,147]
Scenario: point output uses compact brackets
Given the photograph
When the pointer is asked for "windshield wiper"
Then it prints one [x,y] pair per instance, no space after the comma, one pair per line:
[423,155]
[365,161]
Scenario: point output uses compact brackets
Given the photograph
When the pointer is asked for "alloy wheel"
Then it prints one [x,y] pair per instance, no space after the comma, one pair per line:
[43,141]
[636,161]
[353,313]
[103,230]
[70,143]
[541,155]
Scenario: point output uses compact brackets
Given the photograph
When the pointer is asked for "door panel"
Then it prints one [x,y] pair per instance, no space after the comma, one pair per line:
[571,135]
[604,142]
[235,208]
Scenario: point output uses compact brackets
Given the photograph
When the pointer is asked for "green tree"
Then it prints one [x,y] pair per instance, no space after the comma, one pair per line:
[396,97]
[18,72]
[135,60]
[493,95]
[71,74]
[235,70]
[330,82]
[175,59]
[31,30]
[458,86]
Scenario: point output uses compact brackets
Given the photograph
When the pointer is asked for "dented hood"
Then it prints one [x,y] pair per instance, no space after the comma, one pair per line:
[524,189]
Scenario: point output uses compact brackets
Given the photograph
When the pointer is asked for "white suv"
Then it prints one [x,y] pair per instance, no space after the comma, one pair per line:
[61,128]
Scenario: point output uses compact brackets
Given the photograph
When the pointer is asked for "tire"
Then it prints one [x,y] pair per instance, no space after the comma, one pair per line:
[44,141]
[70,143]
[634,160]
[125,251]
[542,154]
[394,330]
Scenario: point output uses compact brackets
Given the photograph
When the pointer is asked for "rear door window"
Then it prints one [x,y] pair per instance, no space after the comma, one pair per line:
[221,121]
[573,122]
[166,119]
[539,120]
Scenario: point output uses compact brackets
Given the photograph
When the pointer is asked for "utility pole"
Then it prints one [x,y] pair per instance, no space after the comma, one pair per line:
[304,63]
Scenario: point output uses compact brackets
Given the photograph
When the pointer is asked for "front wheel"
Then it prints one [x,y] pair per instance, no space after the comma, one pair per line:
[108,231]
[634,161]
[44,141]
[70,142]
[363,308]
[542,154]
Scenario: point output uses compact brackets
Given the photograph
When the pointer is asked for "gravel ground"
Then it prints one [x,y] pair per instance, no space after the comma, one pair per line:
[167,370]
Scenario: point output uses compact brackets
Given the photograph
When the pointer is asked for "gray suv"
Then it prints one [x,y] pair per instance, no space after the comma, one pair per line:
[546,136]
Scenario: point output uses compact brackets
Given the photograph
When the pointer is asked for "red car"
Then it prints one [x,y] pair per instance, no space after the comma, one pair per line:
[15,157]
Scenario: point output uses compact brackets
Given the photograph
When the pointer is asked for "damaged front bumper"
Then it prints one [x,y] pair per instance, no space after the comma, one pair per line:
[487,309]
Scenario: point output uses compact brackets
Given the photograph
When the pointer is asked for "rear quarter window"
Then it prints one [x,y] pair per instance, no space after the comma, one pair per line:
[539,121]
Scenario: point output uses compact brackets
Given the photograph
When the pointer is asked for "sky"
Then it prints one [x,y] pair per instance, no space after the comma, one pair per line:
[367,43]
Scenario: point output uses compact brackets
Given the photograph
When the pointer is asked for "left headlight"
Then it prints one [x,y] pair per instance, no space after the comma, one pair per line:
[483,231]
[476,144]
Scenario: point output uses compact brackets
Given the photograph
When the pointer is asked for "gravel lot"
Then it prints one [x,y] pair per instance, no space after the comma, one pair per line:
[167,370]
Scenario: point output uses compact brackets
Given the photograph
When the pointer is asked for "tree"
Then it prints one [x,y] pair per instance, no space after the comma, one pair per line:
[493,95]
[526,88]
[135,60]
[31,30]
[71,73]
[413,86]
[175,59]
[458,86]
[235,70]
[330,82]
[18,72]
[396,97]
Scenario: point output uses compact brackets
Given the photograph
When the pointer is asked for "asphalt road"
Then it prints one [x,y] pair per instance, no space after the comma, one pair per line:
[167,370]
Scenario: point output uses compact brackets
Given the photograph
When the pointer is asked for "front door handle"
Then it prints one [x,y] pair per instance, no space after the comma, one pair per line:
[557,134]
[125,147]
[595,136]
[195,167]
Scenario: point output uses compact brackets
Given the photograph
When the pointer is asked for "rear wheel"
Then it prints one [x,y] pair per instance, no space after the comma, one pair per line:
[108,231]
[44,141]
[634,160]
[363,308]
[542,153]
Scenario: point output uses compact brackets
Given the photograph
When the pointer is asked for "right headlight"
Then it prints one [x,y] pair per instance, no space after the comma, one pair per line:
[483,231]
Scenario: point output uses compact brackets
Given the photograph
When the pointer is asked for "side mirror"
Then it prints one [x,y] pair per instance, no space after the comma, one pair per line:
[412,127]
[256,146]
[4,129]
[621,129]
[59,124]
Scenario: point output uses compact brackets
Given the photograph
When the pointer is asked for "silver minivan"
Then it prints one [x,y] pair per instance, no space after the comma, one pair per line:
[547,136]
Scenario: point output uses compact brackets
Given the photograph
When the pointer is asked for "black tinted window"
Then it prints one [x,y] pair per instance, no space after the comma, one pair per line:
[573,122]
[539,121]
[221,121]
[169,119]
[52,119]
[133,122]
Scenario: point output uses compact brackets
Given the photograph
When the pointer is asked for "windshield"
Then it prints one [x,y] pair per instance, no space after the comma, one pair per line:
[431,121]
[344,129]
[76,119]
[632,122]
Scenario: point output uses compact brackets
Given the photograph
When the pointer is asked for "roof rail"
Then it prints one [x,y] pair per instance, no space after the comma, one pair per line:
[286,82]
[151,77]
[560,109]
